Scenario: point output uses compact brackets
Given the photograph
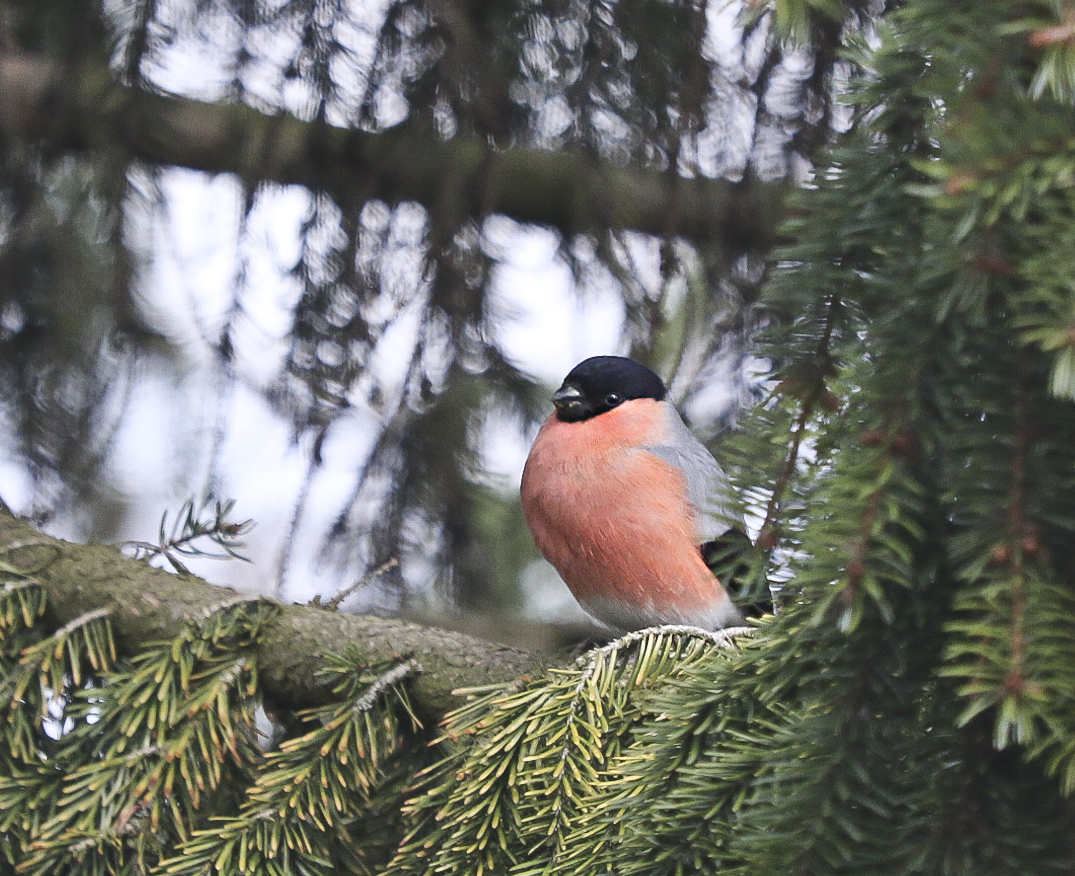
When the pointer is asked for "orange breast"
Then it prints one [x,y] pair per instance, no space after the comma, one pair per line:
[616,521]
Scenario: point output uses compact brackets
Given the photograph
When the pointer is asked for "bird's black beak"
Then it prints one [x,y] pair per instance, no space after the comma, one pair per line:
[569,403]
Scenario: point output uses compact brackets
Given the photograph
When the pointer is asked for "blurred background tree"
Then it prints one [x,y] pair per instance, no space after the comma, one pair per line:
[278,251]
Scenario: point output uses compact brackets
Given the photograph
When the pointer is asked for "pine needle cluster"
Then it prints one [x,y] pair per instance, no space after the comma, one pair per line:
[158,763]
[529,774]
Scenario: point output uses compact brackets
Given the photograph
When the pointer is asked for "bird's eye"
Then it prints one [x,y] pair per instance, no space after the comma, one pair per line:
[613,399]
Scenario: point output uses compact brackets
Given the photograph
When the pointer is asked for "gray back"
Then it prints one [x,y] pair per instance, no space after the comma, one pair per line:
[708,486]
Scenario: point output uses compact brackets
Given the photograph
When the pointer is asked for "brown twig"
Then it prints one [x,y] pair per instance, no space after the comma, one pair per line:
[766,538]
[334,603]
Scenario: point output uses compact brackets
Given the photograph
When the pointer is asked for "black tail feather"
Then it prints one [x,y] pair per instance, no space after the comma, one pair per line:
[740,567]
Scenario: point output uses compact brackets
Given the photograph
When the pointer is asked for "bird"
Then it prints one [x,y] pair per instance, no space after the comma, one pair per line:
[620,498]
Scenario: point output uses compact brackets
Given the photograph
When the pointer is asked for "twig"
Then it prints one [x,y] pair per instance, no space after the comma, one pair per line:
[393,677]
[334,603]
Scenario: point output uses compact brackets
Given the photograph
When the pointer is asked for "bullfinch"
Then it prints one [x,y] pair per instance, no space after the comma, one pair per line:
[620,497]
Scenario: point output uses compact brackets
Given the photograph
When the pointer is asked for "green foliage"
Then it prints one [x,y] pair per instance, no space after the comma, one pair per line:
[798,20]
[316,802]
[528,769]
[195,525]
[154,763]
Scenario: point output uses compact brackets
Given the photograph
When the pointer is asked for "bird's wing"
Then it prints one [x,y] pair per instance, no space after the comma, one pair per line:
[708,487]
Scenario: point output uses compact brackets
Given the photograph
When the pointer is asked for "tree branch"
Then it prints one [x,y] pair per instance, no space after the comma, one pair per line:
[559,189]
[146,604]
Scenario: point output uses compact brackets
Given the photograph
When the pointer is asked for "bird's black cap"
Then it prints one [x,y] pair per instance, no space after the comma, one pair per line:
[601,383]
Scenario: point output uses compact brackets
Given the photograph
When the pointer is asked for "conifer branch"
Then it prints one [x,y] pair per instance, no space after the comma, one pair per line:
[192,526]
[532,760]
[76,109]
[149,604]
[769,535]
[1018,536]
[856,566]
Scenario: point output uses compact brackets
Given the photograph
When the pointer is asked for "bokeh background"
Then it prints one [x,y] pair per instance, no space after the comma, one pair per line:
[329,258]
